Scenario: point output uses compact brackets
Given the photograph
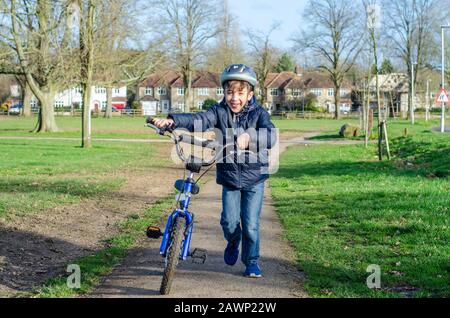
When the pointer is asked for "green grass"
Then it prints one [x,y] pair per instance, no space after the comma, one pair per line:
[94,267]
[70,127]
[129,127]
[343,211]
[37,175]
[308,125]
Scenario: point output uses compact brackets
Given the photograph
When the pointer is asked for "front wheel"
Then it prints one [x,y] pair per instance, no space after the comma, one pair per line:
[172,255]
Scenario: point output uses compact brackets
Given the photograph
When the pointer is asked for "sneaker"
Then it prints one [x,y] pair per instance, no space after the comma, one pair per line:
[253,271]
[231,254]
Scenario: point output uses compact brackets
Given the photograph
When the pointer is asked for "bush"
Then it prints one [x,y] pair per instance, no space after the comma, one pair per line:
[208,103]
[135,105]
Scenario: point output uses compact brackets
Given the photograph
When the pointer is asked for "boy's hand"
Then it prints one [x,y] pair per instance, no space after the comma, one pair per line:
[162,123]
[243,141]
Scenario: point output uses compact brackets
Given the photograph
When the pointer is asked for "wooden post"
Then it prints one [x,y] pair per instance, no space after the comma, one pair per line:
[386,140]
[380,140]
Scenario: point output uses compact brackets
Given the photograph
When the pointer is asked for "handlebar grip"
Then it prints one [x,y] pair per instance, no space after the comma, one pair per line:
[161,131]
[205,143]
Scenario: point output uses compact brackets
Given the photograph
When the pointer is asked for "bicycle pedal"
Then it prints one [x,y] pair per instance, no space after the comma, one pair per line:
[153,232]
[199,256]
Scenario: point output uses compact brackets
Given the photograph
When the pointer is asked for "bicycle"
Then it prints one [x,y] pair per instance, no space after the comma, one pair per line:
[175,244]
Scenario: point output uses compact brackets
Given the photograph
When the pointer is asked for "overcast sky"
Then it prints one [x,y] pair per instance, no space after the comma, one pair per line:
[260,14]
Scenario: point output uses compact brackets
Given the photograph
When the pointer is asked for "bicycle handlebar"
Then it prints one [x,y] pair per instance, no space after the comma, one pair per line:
[189,139]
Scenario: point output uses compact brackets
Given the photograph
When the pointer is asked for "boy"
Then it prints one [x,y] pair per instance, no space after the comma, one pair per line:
[242,182]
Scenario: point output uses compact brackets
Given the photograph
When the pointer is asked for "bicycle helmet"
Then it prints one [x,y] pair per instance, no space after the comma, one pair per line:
[238,72]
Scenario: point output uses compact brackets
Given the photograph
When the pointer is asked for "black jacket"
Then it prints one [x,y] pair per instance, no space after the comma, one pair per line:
[252,119]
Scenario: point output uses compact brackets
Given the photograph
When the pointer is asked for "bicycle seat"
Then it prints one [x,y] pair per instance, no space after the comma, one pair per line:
[179,185]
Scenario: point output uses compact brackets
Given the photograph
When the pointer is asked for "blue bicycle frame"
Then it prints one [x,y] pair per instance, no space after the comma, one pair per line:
[184,213]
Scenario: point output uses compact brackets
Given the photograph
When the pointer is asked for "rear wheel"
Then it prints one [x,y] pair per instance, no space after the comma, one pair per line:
[172,255]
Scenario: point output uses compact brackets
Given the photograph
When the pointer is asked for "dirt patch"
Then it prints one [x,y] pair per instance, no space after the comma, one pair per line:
[37,247]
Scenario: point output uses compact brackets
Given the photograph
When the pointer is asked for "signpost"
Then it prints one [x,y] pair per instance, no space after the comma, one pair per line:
[442,97]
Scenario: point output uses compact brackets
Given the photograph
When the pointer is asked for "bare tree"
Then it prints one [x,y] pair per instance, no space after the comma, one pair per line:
[228,47]
[265,56]
[333,35]
[409,27]
[186,26]
[114,62]
[86,38]
[37,33]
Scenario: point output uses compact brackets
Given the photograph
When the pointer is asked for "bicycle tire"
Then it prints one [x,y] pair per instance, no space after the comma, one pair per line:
[172,256]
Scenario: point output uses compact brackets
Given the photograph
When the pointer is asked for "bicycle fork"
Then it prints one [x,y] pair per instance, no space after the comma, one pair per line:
[166,241]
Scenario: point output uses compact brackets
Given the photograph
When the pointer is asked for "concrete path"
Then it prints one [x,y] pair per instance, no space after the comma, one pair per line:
[140,274]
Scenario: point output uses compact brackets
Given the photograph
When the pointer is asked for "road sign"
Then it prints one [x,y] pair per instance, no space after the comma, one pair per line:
[442,97]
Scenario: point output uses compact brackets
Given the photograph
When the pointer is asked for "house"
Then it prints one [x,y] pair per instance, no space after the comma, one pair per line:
[98,99]
[163,92]
[72,97]
[394,93]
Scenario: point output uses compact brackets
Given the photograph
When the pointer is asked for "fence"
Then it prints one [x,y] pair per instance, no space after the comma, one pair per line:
[435,113]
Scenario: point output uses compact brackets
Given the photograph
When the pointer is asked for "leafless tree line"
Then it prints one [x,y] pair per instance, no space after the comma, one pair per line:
[50,45]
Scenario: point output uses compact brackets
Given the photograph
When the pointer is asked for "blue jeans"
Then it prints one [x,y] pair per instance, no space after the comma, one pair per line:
[241,209]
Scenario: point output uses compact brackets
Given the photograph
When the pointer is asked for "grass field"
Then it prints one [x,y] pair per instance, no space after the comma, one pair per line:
[37,175]
[343,211]
[70,127]
[129,127]
[341,208]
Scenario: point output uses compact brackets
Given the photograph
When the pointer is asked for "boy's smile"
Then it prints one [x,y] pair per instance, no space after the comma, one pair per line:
[237,97]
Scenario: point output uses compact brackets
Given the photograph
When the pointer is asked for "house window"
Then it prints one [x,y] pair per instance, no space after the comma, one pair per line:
[330,92]
[148,91]
[219,90]
[33,103]
[316,91]
[202,91]
[344,92]
[117,90]
[180,91]
[100,90]
[162,91]
[274,92]
[200,104]
[77,90]
[296,92]
[104,104]
[59,103]
[180,105]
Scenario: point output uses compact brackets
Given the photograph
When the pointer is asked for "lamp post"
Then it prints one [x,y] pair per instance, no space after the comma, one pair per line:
[443,76]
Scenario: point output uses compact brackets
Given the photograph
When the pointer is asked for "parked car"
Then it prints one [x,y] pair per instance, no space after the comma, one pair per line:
[127,111]
[15,110]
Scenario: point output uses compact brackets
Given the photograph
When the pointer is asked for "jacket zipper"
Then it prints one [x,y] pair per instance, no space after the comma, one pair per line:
[236,126]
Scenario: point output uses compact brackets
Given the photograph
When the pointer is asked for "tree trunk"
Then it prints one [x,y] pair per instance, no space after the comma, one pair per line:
[27,95]
[337,101]
[108,110]
[87,58]
[46,120]
[187,91]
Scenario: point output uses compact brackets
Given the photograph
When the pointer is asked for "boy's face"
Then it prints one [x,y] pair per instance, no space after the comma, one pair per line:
[237,94]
